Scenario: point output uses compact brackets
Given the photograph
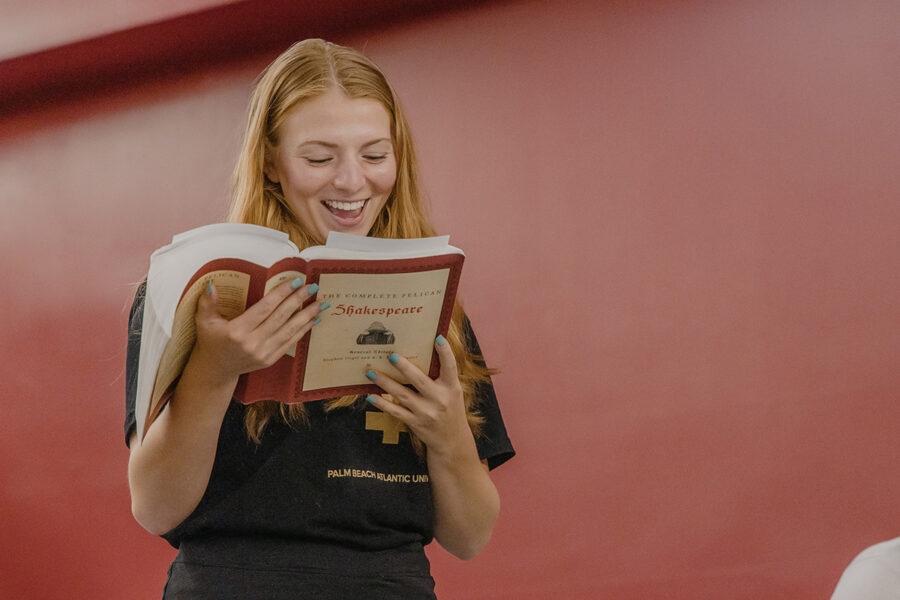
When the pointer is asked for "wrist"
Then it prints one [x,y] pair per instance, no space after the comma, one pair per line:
[460,455]
[203,391]
[209,370]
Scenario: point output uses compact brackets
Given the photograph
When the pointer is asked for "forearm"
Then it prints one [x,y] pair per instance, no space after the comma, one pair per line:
[466,503]
[169,471]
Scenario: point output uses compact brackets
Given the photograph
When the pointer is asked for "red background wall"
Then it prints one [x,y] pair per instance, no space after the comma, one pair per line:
[682,227]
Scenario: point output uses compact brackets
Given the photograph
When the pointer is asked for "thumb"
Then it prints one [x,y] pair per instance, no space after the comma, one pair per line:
[206,304]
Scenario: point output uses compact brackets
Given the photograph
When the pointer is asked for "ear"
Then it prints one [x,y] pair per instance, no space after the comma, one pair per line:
[270,171]
[269,168]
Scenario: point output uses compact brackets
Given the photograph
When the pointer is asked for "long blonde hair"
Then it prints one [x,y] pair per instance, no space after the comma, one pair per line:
[305,70]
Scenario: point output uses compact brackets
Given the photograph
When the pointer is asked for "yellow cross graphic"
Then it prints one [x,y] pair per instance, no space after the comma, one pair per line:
[385,423]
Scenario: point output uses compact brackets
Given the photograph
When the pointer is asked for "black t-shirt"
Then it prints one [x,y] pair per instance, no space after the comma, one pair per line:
[345,478]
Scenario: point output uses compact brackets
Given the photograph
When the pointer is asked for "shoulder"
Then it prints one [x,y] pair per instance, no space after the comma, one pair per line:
[873,575]
[492,439]
[137,304]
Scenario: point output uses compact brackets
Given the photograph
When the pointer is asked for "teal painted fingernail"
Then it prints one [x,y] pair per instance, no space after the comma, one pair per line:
[371,374]
[312,289]
[324,305]
[394,358]
[441,340]
[209,288]
[317,320]
[371,398]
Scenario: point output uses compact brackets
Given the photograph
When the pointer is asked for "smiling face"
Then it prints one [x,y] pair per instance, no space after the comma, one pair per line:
[335,163]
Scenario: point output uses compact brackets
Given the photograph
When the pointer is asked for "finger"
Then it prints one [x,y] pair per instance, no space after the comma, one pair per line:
[395,410]
[400,392]
[449,370]
[413,374]
[207,309]
[288,300]
[206,304]
[289,307]
[294,292]
[297,326]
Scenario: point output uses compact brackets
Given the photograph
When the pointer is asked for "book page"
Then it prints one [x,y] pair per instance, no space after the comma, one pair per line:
[371,316]
[279,278]
[231,292]
[173,266]
[438,244]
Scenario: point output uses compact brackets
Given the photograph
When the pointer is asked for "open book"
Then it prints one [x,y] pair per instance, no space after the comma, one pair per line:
[386,296]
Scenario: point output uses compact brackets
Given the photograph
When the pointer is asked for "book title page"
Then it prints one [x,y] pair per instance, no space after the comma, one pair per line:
[371,316]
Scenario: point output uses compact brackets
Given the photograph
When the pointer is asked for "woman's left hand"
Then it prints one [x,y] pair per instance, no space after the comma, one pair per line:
[434,411]
[466,503]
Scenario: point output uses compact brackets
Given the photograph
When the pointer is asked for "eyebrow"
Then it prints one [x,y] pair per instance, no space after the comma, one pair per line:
[332,145]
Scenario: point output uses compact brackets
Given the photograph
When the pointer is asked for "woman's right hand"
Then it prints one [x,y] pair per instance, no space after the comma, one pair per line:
[258,337]
[169,470]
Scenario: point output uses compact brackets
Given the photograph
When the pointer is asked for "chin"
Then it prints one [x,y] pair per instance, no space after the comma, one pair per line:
[361,231]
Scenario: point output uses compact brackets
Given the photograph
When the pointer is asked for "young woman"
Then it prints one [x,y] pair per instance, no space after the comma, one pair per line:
[317,500]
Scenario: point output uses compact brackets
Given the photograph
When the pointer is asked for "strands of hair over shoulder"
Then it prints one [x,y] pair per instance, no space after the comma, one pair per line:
[306,70]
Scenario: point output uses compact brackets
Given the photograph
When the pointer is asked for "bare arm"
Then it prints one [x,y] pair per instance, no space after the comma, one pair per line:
[466,503]
[169,470]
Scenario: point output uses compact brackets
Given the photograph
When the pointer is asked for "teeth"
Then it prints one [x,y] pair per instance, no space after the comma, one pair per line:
[345,205]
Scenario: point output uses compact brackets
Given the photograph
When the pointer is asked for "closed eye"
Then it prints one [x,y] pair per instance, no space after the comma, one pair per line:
[375,157]
[318,161]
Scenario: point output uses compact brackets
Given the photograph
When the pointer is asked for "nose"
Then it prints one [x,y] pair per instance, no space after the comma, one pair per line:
[350,176]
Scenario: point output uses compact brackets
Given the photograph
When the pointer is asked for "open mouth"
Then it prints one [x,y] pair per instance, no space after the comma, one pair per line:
[346,213]
[345,209]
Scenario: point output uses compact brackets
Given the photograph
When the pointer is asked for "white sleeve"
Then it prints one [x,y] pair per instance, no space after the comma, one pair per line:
[871,576]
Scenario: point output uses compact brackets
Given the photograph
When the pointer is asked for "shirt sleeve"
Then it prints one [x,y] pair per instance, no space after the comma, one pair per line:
[873,575]
[135,321]
[493,443]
